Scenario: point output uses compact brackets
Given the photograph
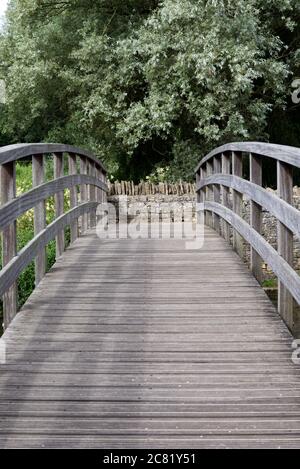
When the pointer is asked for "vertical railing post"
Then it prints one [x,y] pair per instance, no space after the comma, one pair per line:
[209,192]
[104,179]
[256,215]
[200,195]
[285,241]
[99,196]
[217,193]
[9,239]
[92,195]
[73,195]
[59,202]
[38,178]
[83,193]
[198,190]
[237,199]
[226,168]
[203,193]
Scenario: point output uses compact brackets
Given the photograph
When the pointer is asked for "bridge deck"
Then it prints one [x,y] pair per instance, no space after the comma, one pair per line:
[129,344]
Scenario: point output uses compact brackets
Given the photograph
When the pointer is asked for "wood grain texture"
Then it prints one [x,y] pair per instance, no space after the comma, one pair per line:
[92,195]
[285,154]
[10,211]
[237,201]
[255,163]
[113,351]
[283,211]
[280,267]
[38,178]
[59,202]
[285,242]
[9,240]
[226,169]
[209,194]
[217,194]
[72,162]
[84,192]
[12,270]
[16,152]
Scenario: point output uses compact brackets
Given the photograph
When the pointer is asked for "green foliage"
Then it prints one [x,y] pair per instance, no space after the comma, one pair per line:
[148,84]
[25,232]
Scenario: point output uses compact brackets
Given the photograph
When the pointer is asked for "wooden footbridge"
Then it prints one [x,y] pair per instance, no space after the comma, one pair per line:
[145,343]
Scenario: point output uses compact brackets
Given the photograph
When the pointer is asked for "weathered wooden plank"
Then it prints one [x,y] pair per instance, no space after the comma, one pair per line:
[209,194]
[280,267]
[285,154]
[285,243]
[256,215]
[38,178]
[16,207]
[164,442]
[283,211]
[72,161]
[9,241]
[92,195]
[59,202]
[12,270]
[129,357]
[12,153]
[217,194]
[111,394]
[237,201]
[84,193]
[226,168]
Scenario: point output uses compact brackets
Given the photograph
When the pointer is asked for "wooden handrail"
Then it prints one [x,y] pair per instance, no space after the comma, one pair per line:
[20,151]
[10,273]
[15,208]
[284,212]
[221,187]
[93,190]
[283,153]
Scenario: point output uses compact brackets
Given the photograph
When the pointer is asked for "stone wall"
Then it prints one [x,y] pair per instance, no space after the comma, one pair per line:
[188,202]
[182,206]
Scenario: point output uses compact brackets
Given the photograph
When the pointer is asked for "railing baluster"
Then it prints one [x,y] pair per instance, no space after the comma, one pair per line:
[226,167]
[73,195]
[92,195]
[217,193]
[100,197]
[38,178]
[203,192]
[59,202]
[237,199]
[83,193]
[104,180]
[209,193]
[256,215]
[285,241]
[9,240]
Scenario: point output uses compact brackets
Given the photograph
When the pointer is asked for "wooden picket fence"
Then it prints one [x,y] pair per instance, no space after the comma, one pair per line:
[147,188]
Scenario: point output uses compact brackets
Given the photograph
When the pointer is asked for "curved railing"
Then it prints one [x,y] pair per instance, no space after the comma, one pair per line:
[221,188]
[86,181]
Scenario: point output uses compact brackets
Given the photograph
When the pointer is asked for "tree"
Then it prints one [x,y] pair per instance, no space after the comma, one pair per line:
[148,83]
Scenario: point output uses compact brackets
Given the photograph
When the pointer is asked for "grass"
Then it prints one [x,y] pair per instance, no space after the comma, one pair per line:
[270,283]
